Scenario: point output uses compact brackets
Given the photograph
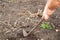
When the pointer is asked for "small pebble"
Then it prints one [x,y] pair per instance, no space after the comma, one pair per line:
[42,39]
[57,30]
[38,39]
[22,22]
[6,39]
[8,31]
[0,15]
[28,18]
[58,25]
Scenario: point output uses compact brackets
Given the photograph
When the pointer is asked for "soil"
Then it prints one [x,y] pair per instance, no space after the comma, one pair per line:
[15,16]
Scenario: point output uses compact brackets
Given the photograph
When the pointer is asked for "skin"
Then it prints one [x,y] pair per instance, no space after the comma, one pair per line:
[50,7]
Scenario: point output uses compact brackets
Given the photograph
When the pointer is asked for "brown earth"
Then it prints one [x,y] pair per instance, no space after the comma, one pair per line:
[15,16]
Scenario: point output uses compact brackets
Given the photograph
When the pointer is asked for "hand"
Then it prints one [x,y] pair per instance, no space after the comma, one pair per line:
[50,7]
[45,16]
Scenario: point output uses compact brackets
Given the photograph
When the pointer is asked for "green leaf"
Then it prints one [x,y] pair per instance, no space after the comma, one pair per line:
[46,26]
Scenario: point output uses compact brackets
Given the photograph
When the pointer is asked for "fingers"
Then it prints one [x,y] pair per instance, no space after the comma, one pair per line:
[47,14]
[45,17]
[48,11]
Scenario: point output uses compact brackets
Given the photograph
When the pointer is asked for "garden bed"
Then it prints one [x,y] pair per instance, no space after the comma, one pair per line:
[21,14]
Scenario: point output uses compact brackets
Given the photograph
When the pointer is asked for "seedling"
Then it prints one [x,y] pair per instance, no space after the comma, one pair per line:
[46,26]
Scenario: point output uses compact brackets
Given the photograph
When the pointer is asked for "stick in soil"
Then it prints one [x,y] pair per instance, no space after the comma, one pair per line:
[25,34]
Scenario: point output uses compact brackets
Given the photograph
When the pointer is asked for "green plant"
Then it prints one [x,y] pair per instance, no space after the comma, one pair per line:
[46,26]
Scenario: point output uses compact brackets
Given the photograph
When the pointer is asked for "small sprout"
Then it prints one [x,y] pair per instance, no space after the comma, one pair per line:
[46,26]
